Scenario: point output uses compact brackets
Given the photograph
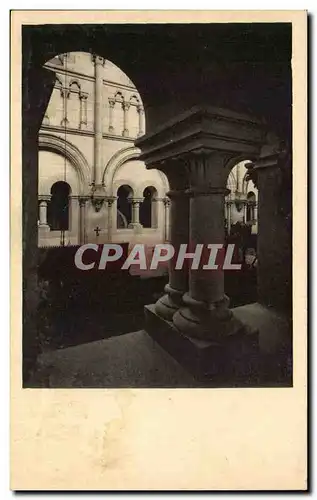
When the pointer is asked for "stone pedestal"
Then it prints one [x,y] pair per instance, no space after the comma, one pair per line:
[233,361]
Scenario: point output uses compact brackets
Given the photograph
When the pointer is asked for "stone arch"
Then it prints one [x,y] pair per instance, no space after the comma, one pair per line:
[161,190]
[74,83]
[149,183]
[231,183]
[232,162]
[119,97]
[134,99]
[115,162]
[55,144]
[125,182]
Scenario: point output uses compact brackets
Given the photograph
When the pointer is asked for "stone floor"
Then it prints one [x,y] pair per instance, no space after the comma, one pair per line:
[131,360]
[136,360]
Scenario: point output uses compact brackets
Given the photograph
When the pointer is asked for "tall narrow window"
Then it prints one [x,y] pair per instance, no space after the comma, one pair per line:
[250,207]
[148,208]
[124,207]
[58,207]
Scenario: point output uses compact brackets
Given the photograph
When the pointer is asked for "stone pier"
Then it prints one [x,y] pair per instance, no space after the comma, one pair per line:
[192,321]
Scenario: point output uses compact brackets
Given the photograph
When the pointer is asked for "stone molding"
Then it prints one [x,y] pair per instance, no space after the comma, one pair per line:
[202,130]
[77,131]
[136,201]
[207,190]
[44,197]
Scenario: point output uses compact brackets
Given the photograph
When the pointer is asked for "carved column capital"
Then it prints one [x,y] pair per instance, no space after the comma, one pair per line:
[98,60]
[44,197]
[112,102]
[82,200]
[206,171]
[110,200]
[65,92]
[136,201]
[125,106]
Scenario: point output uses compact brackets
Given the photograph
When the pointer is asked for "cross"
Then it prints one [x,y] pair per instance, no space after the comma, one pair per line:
[97,231]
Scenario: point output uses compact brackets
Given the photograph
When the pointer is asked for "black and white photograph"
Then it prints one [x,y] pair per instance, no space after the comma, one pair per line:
[158,250]
[157,205]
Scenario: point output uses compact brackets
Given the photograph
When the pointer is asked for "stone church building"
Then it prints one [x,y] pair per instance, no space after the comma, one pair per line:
[92,185]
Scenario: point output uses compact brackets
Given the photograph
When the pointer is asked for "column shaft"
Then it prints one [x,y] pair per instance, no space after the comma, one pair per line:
[99,62]
[135,215]
[205,313]
[110,202]
[166,202]
[125,106]
[141,120]
[111,108]
[179,233]
[135,212]
[82,221]
[207,227]
[43,213]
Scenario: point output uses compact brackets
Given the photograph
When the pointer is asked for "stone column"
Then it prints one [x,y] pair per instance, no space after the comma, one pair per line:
[43,212]
[141,120]
[125,107]
[110,201]
[255,212]
[38,84]
[65,93]
[99,63]
[112,103]
[135,219]
[205,313]
[274,241]
[167,305]
[98,192]
[82,220]
[83,110]
[167,203]
[245,211]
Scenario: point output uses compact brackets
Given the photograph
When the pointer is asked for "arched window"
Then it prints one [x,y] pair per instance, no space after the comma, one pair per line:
[251,201]
[148,208]
[124,209]
[58,207]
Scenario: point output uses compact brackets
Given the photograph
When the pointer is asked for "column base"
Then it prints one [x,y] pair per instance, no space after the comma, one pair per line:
[206,323]
[169,304]
[44,228]
[136,226]
[231,361]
